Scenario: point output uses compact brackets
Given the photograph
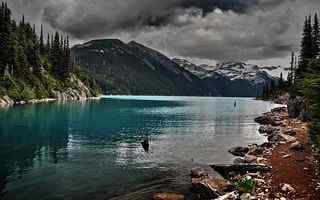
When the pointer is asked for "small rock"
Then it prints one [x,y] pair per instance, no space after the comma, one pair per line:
[239,151]
[255,151]
[247,196]
[287,188]
[297,146]
[198,173]
[168,196]
[291,132]
[250,159]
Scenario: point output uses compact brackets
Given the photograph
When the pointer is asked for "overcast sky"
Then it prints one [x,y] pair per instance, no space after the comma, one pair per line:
[206,31]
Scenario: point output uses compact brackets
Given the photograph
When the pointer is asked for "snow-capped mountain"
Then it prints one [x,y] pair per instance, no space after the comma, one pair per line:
[231,78]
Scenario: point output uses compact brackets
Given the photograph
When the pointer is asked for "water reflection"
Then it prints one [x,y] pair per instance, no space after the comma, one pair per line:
[92,149]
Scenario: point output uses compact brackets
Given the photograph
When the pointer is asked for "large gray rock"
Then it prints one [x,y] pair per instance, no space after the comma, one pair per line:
[239,151]
[6,101]
[297,108]
[211,188]
[73,94]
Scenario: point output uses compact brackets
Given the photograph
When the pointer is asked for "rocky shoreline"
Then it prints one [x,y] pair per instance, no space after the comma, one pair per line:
[82,93]
[281,168]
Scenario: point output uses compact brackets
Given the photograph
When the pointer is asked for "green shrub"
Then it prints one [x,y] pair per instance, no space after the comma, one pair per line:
[245,184]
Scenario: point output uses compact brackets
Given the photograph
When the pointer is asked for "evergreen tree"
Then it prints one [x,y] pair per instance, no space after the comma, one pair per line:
[316,36]
[67,59]
[42,47]
[56,56]
[307,51]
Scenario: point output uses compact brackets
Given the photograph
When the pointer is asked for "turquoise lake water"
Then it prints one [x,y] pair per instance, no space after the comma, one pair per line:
[91,150]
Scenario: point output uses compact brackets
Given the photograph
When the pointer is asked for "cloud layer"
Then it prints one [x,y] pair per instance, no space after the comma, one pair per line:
[202,29]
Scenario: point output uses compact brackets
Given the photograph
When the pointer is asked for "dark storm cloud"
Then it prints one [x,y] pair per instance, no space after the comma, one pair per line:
[204,29]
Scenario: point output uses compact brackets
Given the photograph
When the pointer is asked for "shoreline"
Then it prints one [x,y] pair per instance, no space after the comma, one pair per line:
[6,102]
[282,168]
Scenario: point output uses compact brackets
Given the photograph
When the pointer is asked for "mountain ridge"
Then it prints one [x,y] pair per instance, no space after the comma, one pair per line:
[135,69]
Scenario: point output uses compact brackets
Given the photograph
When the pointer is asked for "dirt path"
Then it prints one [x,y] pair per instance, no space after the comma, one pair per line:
[295,168]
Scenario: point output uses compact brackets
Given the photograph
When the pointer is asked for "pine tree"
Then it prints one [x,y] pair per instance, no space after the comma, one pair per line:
[5,35]
[67,59]
[42,47]
[307,52]
[316,36]
[56,56]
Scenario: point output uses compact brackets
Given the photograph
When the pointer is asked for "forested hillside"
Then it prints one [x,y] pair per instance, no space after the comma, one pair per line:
[36,66]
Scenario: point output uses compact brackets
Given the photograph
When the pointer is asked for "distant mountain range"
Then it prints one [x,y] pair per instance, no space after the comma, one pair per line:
[134,69]
[231,78]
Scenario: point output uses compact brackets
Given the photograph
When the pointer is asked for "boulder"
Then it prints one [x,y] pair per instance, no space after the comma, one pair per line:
[6,101]
[255,151]
[210,188]
[297,146]
[168,196]
[263,120]
[198,173]
[239,151]
[297,108]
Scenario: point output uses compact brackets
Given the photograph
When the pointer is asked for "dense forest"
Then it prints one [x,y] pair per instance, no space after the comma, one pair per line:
[34,64]
[306,81]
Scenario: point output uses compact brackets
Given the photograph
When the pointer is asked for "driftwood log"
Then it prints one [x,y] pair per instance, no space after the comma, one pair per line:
[226,170]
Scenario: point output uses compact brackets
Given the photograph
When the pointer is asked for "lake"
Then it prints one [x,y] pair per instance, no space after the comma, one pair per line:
[92,150]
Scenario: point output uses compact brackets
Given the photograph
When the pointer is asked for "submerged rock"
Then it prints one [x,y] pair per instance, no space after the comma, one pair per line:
[239,151]
[168,196]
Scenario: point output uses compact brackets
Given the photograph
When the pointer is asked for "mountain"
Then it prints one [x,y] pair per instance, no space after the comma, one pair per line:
[231,78]
[131,68]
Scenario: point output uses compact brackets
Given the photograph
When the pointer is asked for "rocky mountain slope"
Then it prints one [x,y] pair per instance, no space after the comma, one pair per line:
[231,78]
[134,69]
